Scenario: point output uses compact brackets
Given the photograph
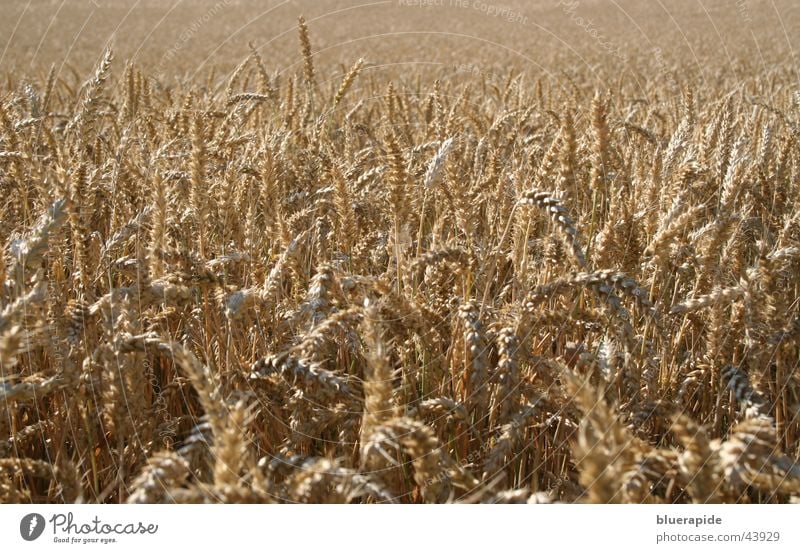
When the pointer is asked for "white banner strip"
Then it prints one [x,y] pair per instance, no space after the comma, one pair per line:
[399,528]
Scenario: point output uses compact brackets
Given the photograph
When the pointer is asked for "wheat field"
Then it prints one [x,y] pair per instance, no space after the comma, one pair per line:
[539,252]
